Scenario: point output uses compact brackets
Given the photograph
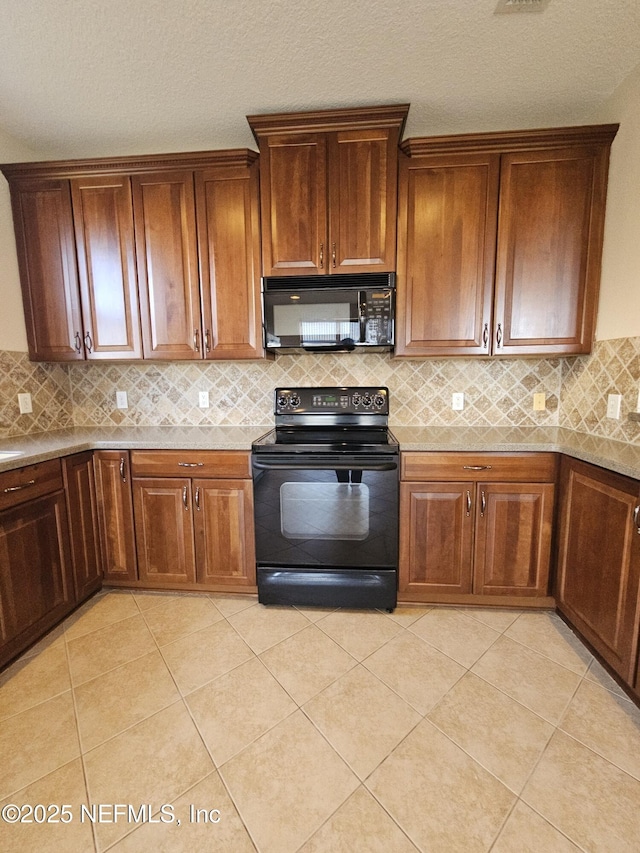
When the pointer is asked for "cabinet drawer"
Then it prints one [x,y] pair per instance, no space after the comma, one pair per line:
[24,484]
[488,467]
[191,463]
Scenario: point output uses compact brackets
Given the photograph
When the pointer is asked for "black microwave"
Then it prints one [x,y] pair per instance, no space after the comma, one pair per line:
[329,313]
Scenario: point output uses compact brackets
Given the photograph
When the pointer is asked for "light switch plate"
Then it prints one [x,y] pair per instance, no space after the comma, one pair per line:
[539,402]
[121,400]
[457,402]
[24,402]
[613,406]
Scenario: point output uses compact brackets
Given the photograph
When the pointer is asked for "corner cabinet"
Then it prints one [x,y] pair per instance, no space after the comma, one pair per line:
[328,186]
[500,242]
[476,527]
[154,258]
[599,561]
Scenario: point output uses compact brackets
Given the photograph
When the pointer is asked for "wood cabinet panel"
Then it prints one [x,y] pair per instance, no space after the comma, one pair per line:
[436,537]
[29,482]
[549,239]
[225,550]
[447,221]
[293,182]
[103,219]
[164,530]
[167,254]
[498,467]
[192,463]
[513,538]
[36,583]
[599,561]
[229,250]
[43,223]
[115,515]
[80,491]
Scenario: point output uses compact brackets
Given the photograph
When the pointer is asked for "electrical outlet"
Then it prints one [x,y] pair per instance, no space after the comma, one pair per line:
[24,402]
[613,406]
[457,402]
[203,399]
[539,402]
[121,400]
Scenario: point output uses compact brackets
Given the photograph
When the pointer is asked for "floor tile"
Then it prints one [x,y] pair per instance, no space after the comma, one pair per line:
[590,800]
[407,614]
[147,599]
[54,637]
[535,681]
[153,762]
[237,708]
[109,647]
[443,799]
[180,617]
[415,670]
[262,627]
[599,675]
[313,614]
[204,655]
[101,610]
[547,634]
[228,835]
[33,680]
[458,636]
[527,832]
[111,703]
[359,632]
[498,618]
[228,604]
[286,784]
[63,786]
[361,825]
[607,723]
[383,719]
[307,663]
[502,735]
[36,742]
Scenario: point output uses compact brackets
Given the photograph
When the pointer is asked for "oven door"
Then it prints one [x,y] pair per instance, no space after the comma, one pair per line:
[326,528]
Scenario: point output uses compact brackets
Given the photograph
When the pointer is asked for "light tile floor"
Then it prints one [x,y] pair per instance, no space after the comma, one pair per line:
[284,729]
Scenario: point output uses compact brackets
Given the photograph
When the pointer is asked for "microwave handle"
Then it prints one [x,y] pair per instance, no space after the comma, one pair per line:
[345,345]
[362,315]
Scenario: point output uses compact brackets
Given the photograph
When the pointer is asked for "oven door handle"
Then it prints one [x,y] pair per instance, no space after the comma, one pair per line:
[316,464]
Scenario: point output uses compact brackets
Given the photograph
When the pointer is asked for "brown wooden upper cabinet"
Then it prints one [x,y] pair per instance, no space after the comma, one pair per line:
[500,242]
[154,258]
[328,189]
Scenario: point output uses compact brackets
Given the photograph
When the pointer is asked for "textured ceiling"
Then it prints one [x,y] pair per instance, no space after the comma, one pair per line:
[106,77]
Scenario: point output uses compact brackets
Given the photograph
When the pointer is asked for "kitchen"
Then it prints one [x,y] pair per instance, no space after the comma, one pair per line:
[497,393]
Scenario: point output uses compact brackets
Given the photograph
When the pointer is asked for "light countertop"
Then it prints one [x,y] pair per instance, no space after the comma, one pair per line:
[615,455]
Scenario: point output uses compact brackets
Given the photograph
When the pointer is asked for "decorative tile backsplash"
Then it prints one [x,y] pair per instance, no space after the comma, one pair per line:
[497,392]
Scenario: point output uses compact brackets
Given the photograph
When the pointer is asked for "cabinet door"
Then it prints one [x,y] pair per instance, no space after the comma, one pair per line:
[293,189]
[229,248]
[103,219]
[166,252]
[363,177]
[599,561]
[43,225]
[115,515]
[549,249]
[225,549]
[436,534]
[36,583]
[513,538]
[446,254]
[79,485]
[164,530]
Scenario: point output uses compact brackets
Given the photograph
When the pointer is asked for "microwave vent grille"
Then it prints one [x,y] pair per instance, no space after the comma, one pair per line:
[331,282]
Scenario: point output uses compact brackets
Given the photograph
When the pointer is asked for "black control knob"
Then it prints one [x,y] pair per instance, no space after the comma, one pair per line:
[294,401]
[378,401]
[367,401]
[282,401]
[356,399]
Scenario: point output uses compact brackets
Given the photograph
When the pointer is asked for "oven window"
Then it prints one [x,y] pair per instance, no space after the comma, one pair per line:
[324,510]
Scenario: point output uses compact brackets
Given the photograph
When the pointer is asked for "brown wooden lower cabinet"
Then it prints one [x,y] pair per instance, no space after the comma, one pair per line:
[115,515]
[471,536]
[36,577]
[599,561]
[79,486]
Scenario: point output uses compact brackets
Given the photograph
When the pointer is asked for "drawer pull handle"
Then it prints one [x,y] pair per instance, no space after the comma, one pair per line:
[198,498]
[483,503]
[499,336]
[321,256]
[184,498]
[18,488]
[468,503]
[207,341]
[636,518]
[190,464]
[88,342]
[485,336]
[78,344]
[333,255]
[476,467]
[123,474]
[196,340]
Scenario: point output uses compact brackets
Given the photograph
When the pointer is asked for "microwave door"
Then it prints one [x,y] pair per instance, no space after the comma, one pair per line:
[317,321]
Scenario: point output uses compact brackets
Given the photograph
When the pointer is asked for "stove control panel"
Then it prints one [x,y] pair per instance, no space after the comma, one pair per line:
[332,401]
